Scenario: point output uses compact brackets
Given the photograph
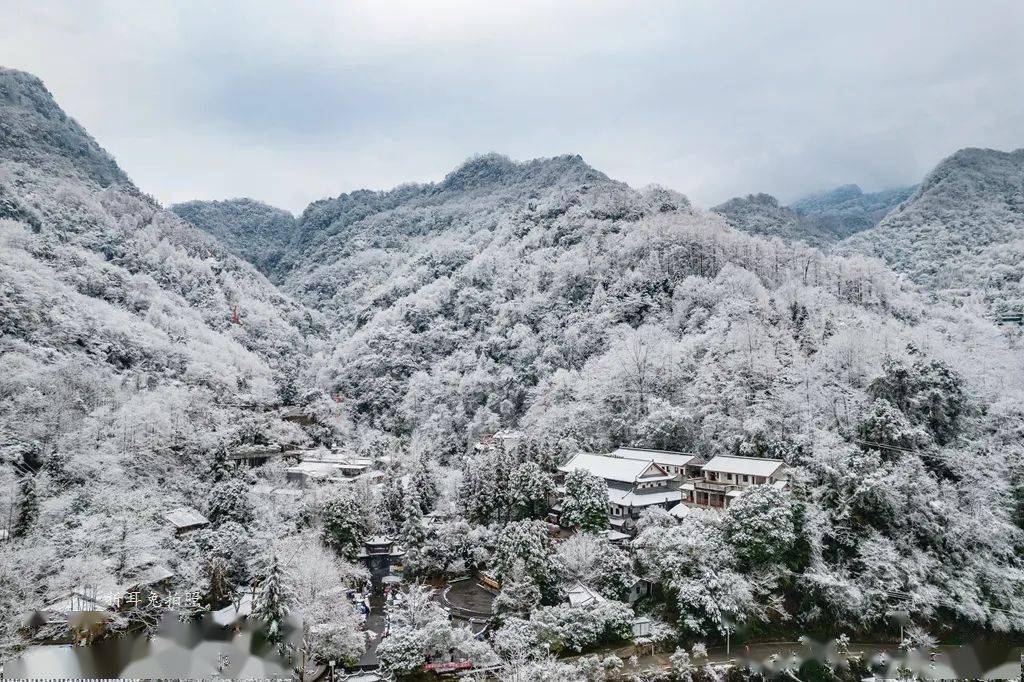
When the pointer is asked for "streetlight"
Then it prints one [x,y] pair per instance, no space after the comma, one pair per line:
[331,664]
[901,617]
[727,621]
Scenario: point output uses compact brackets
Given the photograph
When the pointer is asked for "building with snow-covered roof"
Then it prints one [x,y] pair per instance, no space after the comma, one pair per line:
[617,469]
[727,477]
[185,519]
[633,484]
[581,595]
[681,464]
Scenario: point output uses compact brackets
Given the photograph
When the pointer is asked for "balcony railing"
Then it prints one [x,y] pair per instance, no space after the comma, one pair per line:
[711,487]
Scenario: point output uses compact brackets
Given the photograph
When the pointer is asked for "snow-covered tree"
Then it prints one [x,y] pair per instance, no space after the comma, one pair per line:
[344,522]
[585,502]
[28,506]
[331,628]
[519,594]
[419,629]
[530,490]
[523,546]
[392,504]
[230,501]
[274,602]
[595,562]
[413,534]
[759,526]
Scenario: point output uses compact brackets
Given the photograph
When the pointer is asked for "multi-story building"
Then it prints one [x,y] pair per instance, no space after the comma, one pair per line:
[725,478]
[633,484]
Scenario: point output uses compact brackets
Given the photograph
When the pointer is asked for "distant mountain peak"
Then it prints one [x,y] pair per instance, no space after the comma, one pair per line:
[819,219]
[763,215]
[494,168]
[36,131]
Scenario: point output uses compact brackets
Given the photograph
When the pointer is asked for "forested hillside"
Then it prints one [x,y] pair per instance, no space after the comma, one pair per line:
[541,296]
[249,229]
[547,297]
[848,209]
[761,214]
[132,345]
[962,230]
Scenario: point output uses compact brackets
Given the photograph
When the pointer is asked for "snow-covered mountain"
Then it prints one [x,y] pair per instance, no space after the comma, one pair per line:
[548,297]
[819,219]
[36,133]
[762,214]
[132,346]
[542,296]
[87,254]
[847,210]
[249,229]
[962,229]
[121,326]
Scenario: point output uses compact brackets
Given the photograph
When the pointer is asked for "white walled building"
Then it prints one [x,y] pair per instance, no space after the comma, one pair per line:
[633,484]
[724,478]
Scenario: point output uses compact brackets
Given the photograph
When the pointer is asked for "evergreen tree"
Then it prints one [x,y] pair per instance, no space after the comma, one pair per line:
[613,571]
[423,482]
[759,525]
[523,546]
[885,425]
[392,505]
[273,602]
[344,524]
[585,503]
[801,551]
[478,492]
[221,467]
[413,534]
[28,506]
[519,593]
[529,491]
[230,501]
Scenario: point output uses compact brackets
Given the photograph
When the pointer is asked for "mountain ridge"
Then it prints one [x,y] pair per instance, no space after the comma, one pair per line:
[963,227]
[35,130]
[73,216]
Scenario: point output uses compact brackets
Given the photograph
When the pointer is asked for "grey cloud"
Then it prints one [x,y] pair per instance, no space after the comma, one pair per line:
[288,102]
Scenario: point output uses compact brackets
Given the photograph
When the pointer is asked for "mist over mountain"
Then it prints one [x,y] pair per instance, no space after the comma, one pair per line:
[847,210]
[819,219]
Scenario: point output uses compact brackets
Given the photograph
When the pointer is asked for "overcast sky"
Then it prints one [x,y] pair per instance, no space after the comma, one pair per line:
[289,102]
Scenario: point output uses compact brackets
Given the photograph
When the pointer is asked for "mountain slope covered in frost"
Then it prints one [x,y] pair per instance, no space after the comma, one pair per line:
[546,297]
[541,296]
[962,230]
[131,346]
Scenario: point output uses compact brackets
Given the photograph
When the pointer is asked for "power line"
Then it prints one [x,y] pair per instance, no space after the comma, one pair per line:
[919,453]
